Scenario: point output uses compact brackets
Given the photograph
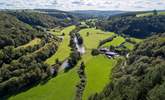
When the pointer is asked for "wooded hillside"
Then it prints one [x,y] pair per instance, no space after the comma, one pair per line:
[21,63]
[141,76]
[140,27]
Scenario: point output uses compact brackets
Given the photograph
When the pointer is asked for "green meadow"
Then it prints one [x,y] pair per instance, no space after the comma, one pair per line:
[128,45]
[149,14]
[97,71]
[62,86]
[95,35]
[31,43]
[115,42]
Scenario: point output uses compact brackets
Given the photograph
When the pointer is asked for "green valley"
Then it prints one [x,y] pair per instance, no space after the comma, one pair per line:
[49,54]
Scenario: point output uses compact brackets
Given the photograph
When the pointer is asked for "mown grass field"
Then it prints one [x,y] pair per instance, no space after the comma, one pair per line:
[115,42]
[94,37]
[61,87]
[97,71]
[129,45]
[149,14]
[31,43]
[144,14]
[162,13]
[64,49]
[136,40]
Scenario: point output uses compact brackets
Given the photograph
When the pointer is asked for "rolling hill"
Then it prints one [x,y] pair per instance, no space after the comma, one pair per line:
[50,54]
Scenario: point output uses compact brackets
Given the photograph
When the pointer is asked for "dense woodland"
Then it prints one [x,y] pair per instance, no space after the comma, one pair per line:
[44,19]
[21,68]
[140,27]
[36,19]
[14,32]
[141,76]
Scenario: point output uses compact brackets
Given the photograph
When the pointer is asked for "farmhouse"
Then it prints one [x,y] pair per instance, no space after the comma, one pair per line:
[111,54]
[108,53]
[104,50]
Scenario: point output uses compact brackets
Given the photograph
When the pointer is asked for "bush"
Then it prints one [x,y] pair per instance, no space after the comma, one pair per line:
[95,52]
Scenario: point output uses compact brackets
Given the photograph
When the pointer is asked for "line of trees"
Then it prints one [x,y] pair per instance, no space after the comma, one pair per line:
[82,84]
[79,39]
[75,56]
[106,40]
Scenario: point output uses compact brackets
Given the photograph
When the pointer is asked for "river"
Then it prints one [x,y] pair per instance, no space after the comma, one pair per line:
[80,48]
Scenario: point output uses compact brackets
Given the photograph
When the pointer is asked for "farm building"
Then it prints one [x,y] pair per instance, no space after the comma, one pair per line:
[111,53]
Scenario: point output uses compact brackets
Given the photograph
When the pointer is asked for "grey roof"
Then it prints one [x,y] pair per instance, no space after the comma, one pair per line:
[110,53]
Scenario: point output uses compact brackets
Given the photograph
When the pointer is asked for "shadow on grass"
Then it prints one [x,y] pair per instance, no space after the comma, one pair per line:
[67,69]
[25,88]
[30,85]
[21,90]
[43,82]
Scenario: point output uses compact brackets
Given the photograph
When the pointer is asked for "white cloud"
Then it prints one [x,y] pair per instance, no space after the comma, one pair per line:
[85,4]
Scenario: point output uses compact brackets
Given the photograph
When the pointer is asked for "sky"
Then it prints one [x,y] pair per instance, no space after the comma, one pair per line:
[67,5]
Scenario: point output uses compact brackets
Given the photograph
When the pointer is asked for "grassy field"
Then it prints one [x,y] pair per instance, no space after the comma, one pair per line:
[64,49]
[94,37]
[136,40]
[62,87]
[115,42]
[97,71]
[162,13]
[144,14]
[149,14]
[97,68]
[129,45]
[31,43]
